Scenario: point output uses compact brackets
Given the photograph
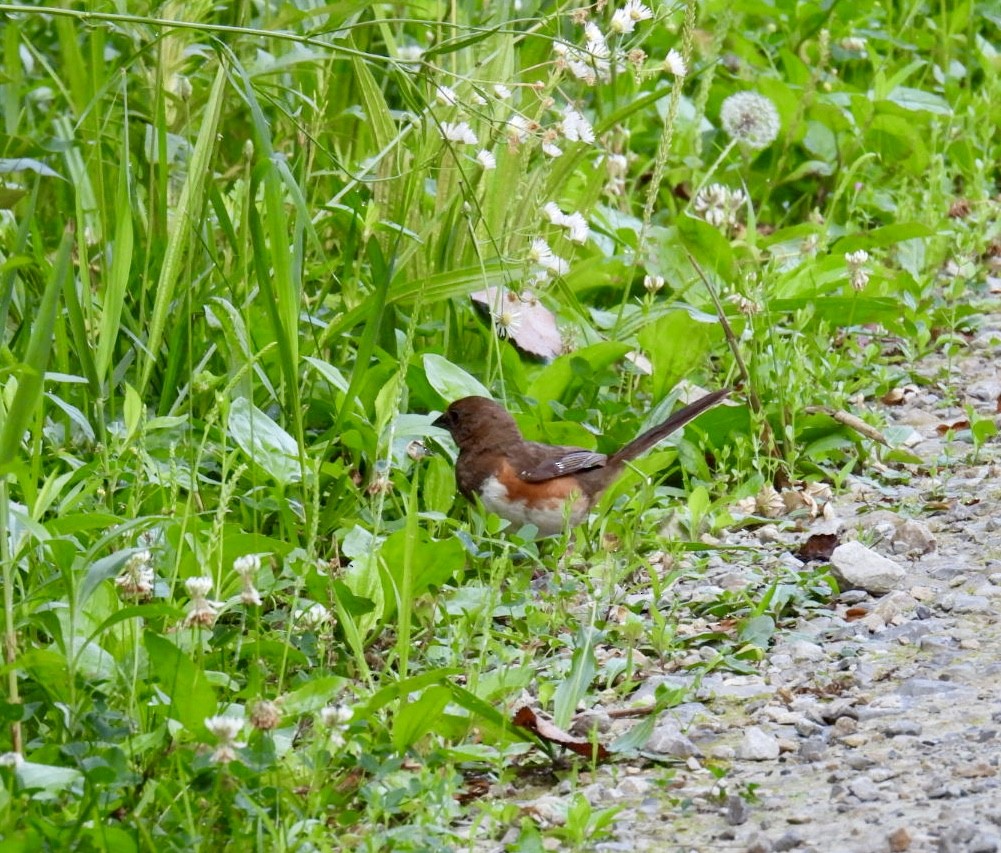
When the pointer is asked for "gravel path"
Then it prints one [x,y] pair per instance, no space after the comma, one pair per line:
[875,724]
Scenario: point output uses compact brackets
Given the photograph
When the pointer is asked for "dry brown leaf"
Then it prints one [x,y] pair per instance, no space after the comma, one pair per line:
[527,718]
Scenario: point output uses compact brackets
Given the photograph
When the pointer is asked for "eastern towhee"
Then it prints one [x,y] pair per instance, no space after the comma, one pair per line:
[527,482]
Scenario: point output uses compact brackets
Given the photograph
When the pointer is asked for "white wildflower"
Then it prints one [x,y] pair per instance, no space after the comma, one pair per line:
[517,129]
[750,118]
[674,63]
[459,132]
[446,95]
[854,44]
[575,223]
[226,730]
[502,91]
[314,616]
[507,320]
[653,283]
[857,273]
[137,578]
[719,206]
[410,55]
[247,567]
[201,611]
[624,20]
[486,159]
[575,127]
[551,149]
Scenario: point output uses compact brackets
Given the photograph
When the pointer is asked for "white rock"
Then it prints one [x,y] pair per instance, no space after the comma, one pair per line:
[757,745]
[858,567]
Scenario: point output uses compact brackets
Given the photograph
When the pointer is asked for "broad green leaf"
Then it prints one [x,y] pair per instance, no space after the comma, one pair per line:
[264,442]
[47,777]
[417,717]
[192,698]
[676,344]
[920,101]
[557,380]
[450,380]
[313,695]
[434,561]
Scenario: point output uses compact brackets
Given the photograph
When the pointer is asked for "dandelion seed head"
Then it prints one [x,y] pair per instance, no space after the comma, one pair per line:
[750,118]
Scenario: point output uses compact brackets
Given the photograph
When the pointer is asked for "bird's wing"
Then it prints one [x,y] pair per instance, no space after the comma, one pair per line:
[560,461]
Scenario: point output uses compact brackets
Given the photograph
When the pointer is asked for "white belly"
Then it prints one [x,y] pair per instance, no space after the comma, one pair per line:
[548,517]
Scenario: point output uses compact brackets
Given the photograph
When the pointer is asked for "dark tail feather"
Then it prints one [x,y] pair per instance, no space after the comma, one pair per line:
[640,445]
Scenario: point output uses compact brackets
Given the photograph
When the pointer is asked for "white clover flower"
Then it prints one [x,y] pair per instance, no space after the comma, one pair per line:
[201,611]
[247,567]
[576,128]
[137,577]
[198,587]
[335,715]
[857,274]
[314,616]
[486,159]
[854,44]
[653,283]
[502,91]
[459,132]
[446,95]
[719,206]
[750,118]
[227,729]
[674,63]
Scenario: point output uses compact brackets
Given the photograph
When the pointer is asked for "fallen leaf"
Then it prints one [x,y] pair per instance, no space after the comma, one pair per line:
[819,546]
[962,423]
[527,718]
[522,319]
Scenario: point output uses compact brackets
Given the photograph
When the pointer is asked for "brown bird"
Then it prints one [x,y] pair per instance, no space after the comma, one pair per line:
[528,482]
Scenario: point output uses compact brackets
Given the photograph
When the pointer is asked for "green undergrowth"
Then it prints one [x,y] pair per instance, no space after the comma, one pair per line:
[243,606]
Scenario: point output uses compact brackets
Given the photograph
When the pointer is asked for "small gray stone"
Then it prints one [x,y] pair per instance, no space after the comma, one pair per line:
[854,565]
[913,537]
[902,727]
[667,739]
[864,788]
[737,811]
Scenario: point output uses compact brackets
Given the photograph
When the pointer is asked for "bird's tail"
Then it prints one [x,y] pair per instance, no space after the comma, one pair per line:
[641,444]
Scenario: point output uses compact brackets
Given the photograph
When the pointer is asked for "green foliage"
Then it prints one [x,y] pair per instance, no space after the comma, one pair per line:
[237,245]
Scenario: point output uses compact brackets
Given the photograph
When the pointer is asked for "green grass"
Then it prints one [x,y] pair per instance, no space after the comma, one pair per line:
[236,254]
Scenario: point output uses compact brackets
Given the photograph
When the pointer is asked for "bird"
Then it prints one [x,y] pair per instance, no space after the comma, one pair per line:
[527,482]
